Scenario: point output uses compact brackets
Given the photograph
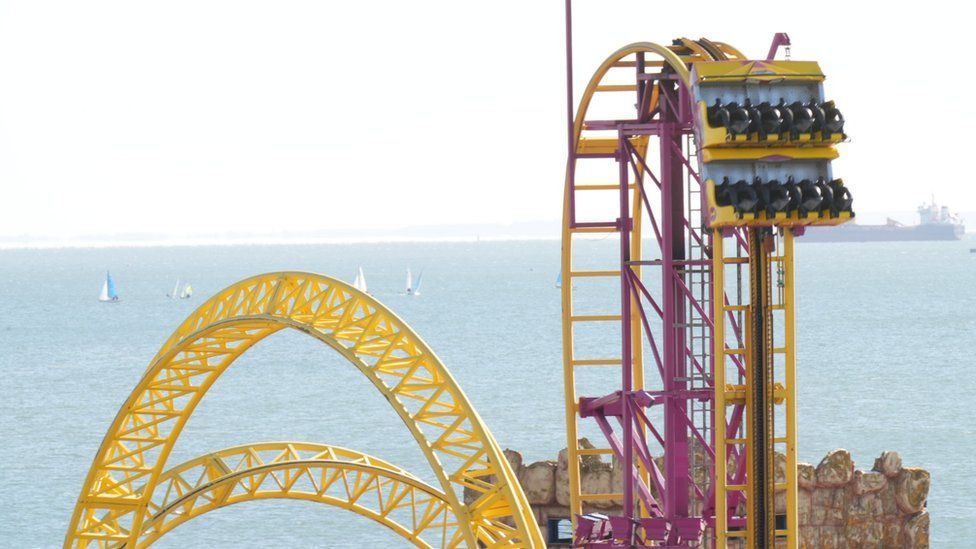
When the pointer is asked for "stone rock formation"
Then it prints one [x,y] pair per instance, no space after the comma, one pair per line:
[839,506]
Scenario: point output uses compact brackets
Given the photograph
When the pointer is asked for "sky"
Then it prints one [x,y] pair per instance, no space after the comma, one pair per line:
[183,118]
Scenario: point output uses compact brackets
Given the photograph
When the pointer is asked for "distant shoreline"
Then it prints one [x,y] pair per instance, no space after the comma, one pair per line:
[524,230]
[256,241]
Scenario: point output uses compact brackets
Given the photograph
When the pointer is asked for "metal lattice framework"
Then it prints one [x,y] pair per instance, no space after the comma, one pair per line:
[115,501]
[320,473]
[714,163]
[660,298]
[702,287]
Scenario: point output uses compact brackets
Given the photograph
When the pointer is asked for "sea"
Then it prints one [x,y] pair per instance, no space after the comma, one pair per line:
[885,339]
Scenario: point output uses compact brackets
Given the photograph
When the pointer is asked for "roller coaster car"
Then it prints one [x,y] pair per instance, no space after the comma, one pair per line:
[788,124]
[775,203]
[738,107]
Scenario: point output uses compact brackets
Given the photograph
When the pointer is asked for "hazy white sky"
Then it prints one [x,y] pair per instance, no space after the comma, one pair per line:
[203,116]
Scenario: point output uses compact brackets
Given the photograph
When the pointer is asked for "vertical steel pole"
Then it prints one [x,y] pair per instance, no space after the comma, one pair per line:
[569,221]
[672,254]
[627,386]
[718,380]
[570,119]
[789,304]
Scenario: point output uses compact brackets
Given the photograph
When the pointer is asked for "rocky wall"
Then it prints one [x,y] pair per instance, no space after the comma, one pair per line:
[839,505]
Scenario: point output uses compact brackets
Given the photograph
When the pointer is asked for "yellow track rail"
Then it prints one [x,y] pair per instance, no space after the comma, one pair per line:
[319,473]
[587,141]
[462,453]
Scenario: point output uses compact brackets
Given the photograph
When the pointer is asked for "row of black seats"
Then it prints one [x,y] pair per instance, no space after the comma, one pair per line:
[790,196]
[766,119]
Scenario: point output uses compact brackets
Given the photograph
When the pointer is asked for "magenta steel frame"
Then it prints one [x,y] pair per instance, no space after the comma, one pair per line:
[669,520]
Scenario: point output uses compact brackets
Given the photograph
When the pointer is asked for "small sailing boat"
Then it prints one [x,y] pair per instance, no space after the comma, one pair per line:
[360,282]
[176,290]
[185,293]
[414,288]
[559,280]
[420,280]
[109,293]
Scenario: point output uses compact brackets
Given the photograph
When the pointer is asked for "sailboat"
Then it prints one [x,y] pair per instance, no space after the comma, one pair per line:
[184,292]
[109,294]
[559,280]
[360,282]
[412,288]
[420,280]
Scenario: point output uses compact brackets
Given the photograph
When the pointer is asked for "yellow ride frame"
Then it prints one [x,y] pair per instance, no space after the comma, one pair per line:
[460,449]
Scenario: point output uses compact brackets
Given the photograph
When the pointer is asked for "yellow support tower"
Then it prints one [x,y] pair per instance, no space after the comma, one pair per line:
[757,374]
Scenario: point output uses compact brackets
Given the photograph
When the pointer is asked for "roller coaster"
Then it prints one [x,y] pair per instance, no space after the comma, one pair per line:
[704,165]
[714,163]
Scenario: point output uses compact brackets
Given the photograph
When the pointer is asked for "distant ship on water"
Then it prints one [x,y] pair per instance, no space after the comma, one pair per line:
[935,223]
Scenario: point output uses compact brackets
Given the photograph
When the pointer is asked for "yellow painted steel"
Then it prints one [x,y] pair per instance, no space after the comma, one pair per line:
[720,422]
[319,473]
[789,328]
[601,145]
[584,145]
[459,448]
[759,71]
[727,393]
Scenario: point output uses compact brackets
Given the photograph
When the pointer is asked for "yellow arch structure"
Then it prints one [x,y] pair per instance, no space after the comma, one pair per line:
[114,502]
[678,59]
[320,473]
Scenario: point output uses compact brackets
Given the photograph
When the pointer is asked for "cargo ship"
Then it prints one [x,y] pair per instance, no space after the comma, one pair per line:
[935,223]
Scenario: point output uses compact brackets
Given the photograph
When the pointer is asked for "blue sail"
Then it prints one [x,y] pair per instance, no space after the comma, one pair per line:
[112,294]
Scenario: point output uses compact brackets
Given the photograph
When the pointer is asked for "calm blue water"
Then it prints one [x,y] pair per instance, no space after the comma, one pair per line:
[885,362]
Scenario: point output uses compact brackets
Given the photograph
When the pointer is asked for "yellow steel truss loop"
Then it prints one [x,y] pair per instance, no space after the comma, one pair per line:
[459,448]
[336,476]
[670,58]
[680,65]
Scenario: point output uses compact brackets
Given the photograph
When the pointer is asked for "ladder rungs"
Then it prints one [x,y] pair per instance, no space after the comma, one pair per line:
[600,497]
[737,534]
[741,351]
[616,88]
[735,487]
[736,307]
[597,362]
[594,230]
[735,441]
[594,451]
[597,145]
[745,260]
[593,273]
[601,187]
[594,318]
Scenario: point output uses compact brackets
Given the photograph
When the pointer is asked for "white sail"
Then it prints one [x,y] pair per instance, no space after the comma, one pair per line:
[420,280]
[176,290]
[559,280]
[109,293]
[409,282]
[187,292]
[360,282]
